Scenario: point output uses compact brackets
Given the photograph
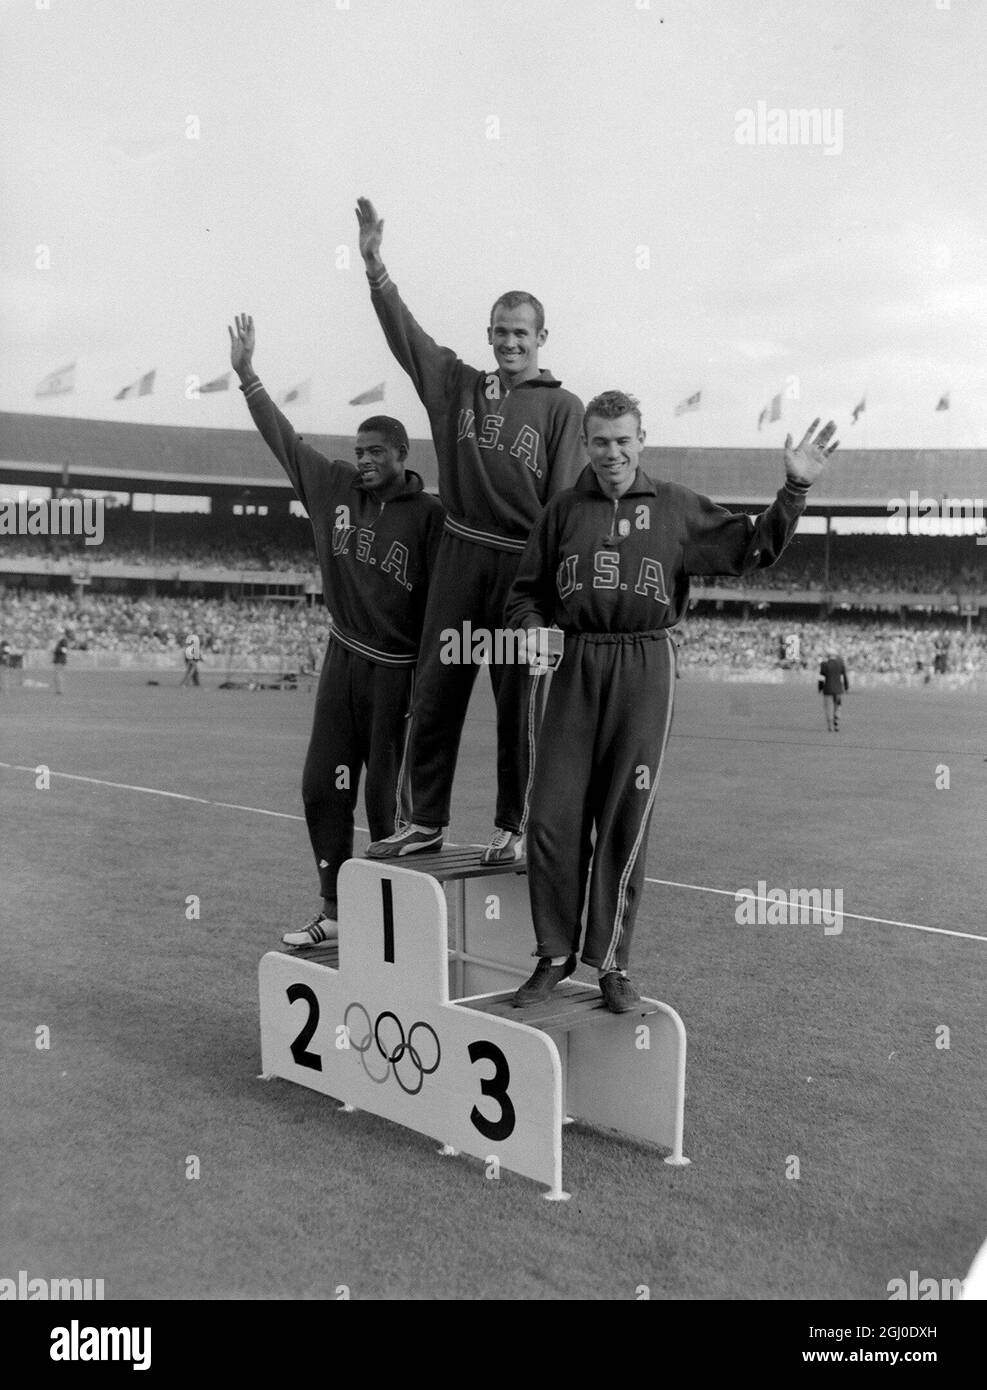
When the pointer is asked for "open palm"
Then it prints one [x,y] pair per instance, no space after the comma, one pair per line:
[371,229]
[806,461]
[242,343]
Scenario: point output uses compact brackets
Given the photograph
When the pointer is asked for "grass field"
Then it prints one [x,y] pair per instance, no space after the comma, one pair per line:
[803,1044]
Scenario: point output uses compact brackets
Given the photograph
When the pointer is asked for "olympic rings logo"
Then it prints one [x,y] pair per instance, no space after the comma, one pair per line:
[386,1034]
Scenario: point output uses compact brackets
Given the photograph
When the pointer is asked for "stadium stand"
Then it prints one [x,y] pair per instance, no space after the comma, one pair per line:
[162,540]
[157,575]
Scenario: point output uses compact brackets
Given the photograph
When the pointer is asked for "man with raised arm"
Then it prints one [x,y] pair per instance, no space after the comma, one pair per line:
[609,563]
[376,535]
[507,439]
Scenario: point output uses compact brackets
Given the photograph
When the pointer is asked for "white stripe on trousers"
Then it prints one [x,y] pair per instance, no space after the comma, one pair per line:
[399,821]
[539,684]
[610,958]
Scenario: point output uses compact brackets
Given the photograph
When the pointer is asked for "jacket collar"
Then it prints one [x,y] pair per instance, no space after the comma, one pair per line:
[412,485]
[544,378]
[642,486]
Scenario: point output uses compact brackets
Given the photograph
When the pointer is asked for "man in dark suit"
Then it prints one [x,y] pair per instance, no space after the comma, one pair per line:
[834,685]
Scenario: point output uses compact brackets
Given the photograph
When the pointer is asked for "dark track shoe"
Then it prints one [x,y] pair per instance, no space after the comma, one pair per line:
[619,994]
[543,981]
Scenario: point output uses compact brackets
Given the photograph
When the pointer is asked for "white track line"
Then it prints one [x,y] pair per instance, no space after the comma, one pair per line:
[287,815]
[156,791]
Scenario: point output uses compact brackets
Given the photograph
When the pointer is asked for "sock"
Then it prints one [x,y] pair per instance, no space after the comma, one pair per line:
[612,971]
[558,960]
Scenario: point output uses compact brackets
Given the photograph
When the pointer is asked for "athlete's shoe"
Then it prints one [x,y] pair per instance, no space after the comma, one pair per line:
[543,981]
[320,929]
[414,839]
[506,847]
[619,994]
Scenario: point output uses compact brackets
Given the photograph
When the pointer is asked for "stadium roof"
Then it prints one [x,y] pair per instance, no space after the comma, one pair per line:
[113,456]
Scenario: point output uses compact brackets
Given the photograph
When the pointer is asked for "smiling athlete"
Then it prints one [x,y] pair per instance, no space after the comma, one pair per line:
[506,441]
[609,562]
[376,535]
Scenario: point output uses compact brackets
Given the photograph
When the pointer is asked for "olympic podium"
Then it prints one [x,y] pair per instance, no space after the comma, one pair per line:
[410,1017]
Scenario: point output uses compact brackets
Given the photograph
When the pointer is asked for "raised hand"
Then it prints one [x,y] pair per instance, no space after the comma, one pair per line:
[371,232]
[242,345]
[804,463]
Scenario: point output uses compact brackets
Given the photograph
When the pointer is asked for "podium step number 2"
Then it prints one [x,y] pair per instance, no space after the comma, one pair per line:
[380,1033]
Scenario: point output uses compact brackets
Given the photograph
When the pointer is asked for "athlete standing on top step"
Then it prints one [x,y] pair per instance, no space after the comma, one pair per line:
[507,440]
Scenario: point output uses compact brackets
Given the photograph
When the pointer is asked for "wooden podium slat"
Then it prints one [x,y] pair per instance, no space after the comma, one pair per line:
[564,1009]
[453,861]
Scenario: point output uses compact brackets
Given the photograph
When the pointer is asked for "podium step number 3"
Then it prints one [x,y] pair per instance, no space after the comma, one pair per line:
[379,1033]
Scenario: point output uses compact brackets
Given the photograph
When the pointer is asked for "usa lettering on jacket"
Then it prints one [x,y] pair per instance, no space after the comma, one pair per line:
[608,572]
[365,550]
[600,564]
[527,442]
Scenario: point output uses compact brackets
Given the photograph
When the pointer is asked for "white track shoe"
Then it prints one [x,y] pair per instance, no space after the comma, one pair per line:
[319,930]
[506,847]
[414,839]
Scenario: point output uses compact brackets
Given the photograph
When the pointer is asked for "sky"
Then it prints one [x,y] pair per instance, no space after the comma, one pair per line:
[168,163]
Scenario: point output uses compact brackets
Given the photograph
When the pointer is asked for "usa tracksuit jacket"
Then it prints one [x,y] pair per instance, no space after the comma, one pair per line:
[614,575]
[376,558]
[501,456]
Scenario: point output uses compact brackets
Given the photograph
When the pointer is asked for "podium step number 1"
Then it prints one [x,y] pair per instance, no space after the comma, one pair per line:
[379,1032]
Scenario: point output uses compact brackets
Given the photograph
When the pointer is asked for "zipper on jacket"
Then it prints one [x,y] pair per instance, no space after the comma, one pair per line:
[613,519]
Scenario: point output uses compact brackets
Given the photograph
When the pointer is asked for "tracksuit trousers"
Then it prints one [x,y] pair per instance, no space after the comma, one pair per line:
[360,721]
[469,584]
[600,752]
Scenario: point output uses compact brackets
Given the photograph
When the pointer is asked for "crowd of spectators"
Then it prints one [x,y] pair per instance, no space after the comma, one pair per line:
[866,646]
[237,634]
[234,634]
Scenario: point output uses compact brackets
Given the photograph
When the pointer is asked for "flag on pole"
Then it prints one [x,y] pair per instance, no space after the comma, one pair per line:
[690,403]
[142,387]
[298,395]
[859,409]
[376,393]
[943,401]
[219,383]
[57,383]
[771,412]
